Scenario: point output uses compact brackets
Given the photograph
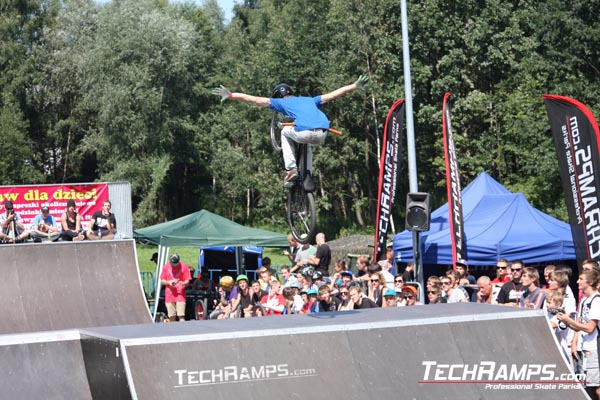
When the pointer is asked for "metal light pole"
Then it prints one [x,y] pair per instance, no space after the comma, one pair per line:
[410,138]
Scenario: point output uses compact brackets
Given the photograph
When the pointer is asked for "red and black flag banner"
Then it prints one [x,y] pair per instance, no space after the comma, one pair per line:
[577,137]
[455,213]
[388,174]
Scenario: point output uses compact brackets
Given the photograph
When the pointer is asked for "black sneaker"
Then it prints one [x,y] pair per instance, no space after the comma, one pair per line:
[290,177]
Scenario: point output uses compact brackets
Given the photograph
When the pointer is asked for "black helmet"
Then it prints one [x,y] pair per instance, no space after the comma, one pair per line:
[317,275]
[282,90]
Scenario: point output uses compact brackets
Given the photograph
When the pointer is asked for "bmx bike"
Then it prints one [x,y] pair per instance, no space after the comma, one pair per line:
[301,208]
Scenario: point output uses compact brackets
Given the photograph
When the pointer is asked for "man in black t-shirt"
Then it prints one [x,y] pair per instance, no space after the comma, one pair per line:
[511,292]
[327,301]
[103,224]
[358,301]
[322,256]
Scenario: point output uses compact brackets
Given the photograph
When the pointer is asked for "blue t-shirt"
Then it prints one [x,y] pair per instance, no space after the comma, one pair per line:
[50,221]
[303,110]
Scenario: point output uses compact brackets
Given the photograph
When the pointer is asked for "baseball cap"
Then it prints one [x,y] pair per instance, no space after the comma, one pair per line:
[292,282]
[409,288]
[174,259]
[389,292]
[347,273]
[312,291]
[462,262]
[45,209]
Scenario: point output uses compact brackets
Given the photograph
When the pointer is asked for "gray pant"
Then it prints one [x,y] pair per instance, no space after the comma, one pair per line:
[289,137]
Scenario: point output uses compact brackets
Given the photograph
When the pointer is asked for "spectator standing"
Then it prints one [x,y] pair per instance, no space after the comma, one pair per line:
[174,277]
[362,265]
[44,227]
[322,257]
[454,292]
[376,288]
[13,230]
[563,333]
[409,272]
[387,266]
[511,292]
[303,254]
[103,224]
[71,223]
[502,275]
[294,246]
[462,266]
[586,327]
[533,296]
[558,281]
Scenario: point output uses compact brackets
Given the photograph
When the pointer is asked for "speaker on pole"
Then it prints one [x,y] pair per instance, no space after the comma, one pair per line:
[418,209]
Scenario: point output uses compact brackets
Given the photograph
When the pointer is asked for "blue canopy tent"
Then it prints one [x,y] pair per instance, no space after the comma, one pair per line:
[498,224]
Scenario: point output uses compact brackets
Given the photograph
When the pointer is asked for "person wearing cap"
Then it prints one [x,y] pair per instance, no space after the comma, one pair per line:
[13,229]
[175,276]
[44,227]
[462,266]
[390,299]
[103,224]
[410,295]
[243,298]
[70,222]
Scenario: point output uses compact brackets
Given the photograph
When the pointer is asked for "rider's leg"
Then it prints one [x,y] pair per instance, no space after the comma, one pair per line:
[289,135]
[288,148]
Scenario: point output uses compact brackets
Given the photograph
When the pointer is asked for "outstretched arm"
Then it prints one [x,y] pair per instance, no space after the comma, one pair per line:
[244,98]
[361,81]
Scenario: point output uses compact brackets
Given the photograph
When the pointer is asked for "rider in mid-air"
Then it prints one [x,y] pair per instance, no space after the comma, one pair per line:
[310,123]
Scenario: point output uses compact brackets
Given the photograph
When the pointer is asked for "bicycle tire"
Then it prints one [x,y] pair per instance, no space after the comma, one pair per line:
[275,133]
[201,309]
[302,214]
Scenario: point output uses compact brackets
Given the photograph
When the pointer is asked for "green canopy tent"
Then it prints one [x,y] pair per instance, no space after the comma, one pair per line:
[202,229]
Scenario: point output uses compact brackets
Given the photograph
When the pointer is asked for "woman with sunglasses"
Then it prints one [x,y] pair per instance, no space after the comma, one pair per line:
[434,295]
[377,286]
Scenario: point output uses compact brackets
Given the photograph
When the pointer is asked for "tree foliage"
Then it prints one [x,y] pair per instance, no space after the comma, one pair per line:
[121,91]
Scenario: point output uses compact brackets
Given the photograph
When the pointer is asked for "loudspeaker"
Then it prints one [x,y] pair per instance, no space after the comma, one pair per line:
[418,209]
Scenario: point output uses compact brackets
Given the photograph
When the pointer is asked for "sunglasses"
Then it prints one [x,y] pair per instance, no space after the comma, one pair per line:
[516,269]
[374,280]
[399,280]
[501,267]
[343,293]
[409,297]
[445,283]
[431,292]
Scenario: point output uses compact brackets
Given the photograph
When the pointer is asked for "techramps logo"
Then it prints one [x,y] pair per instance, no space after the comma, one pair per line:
[236,374]
[499,376]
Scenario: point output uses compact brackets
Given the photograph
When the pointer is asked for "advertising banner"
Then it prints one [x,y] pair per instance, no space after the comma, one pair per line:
[388,174]
[28,200]
[576,137]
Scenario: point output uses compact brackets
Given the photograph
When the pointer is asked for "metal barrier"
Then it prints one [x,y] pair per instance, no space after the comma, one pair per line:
[148,283]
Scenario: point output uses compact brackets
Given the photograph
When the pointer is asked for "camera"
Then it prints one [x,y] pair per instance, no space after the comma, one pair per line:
[556,310]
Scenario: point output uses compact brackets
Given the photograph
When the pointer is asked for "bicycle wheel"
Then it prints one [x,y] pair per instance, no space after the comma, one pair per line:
[201,309]
[275,133]
[302,214]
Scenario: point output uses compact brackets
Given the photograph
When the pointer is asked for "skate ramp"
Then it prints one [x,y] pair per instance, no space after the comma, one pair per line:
[449,351]
[44,365]
[66,285]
